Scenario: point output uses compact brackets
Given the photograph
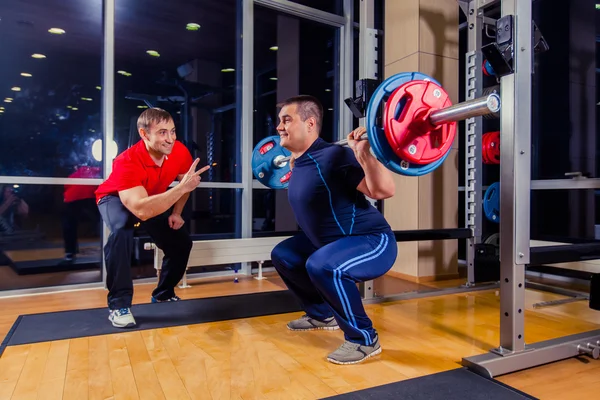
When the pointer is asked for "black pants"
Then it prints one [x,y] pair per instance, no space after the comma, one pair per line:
[73,212]
[176,244]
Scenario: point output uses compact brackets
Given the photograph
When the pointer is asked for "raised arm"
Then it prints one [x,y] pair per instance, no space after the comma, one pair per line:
[145,207]
[378,182]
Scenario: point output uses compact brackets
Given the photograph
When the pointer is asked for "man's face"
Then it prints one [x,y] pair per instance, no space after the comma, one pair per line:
[160,137]
[292,130]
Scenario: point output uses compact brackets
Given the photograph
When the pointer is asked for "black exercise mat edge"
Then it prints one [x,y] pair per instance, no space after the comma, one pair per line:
[8,336]
[237,297]
[358,394]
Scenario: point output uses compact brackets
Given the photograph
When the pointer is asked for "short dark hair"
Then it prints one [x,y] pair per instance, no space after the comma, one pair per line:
[153,116]
[307,106]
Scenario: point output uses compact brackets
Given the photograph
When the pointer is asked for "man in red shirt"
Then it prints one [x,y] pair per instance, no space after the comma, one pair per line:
[136,190]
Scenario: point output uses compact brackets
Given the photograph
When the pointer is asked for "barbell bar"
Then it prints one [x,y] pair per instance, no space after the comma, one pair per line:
[417,129]
[458,112]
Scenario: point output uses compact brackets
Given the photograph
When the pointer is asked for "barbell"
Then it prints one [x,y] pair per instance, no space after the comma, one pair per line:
[419,127]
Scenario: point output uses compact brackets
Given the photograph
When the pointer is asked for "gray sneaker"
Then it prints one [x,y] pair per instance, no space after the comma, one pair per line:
[353,353]
[306,323]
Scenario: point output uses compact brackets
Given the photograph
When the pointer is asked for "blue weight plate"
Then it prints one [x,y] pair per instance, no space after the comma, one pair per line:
[491,202]
[263,165]
[377,139]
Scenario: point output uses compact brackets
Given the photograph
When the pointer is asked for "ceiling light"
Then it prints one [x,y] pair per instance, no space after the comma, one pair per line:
[227,70]
[142,106]
[86,99]
[56,31]
[274,48]
[124,73]
[328,90]
[99,87]
[25,74]
[37,55]
[8,100]
[273,78]
[153,53]
[74,108]
[15,89]
[192,26]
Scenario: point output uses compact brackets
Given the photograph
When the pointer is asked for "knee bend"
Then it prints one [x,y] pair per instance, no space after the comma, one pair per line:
[277,255]
[318,267]
[284,257]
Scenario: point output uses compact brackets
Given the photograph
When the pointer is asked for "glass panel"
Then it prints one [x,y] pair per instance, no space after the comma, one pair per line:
[49,235]
[50,86]
[291,56]
[181,56]
[331,6]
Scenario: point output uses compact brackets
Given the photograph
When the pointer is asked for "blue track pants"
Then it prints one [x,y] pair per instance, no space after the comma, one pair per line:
[324,279]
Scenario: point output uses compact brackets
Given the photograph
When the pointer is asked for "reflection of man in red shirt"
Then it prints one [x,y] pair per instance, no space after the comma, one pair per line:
[79,201]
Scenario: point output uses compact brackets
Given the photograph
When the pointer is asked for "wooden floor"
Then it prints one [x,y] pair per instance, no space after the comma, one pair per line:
[258,358]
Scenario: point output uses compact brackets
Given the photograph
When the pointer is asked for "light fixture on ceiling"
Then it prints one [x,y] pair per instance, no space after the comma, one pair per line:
[86,99]
[228,70]
[273,78]
[153,53]
[38,56]
[124,73]
[274,48]
[192,26]
[99,87]
[26,74]
[56,31]
[15,89]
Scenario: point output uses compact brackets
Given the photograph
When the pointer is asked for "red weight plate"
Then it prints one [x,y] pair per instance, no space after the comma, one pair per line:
[410,134]
[494,147]
[485,148]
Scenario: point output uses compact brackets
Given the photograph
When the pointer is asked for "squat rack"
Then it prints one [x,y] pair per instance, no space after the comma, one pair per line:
[513,54]
[514,49]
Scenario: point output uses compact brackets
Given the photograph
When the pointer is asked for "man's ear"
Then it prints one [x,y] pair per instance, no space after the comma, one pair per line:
[312,122]
[143,133]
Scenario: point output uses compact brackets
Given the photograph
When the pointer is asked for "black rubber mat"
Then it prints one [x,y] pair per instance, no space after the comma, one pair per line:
[92,322]
[456,384]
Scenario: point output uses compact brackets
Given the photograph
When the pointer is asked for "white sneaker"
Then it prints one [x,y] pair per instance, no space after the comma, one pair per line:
[121,318]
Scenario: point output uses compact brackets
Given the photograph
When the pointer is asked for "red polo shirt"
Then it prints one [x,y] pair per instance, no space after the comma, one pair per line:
[134,167]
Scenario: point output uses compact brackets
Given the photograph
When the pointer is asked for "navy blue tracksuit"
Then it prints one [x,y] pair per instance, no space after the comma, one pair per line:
[344,240]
